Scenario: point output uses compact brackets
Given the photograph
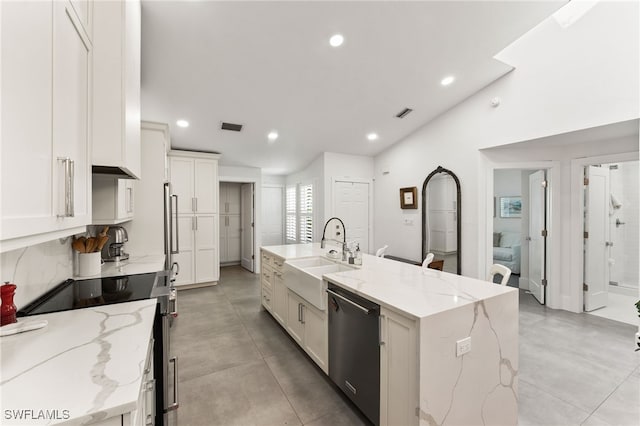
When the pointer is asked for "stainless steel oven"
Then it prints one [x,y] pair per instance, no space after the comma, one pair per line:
[73,294]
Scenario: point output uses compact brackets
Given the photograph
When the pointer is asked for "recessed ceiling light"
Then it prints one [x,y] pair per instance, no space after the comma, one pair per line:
[447,80]
[182,123]
[336,40]
[272,136]
[372,136]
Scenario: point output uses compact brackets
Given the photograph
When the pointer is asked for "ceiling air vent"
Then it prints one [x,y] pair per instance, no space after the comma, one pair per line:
[404,113]
[231,126]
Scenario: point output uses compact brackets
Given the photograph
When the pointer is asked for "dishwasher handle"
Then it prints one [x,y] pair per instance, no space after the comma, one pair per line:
[351,302]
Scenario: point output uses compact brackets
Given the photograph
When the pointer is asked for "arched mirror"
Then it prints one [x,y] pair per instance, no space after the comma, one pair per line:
[441,219]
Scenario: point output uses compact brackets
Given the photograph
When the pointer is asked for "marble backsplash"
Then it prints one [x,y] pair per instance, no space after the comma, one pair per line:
[36,269]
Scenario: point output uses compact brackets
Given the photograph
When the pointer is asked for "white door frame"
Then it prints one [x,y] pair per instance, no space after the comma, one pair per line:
[257,205]
[355,180]
[553,293]
[576,297]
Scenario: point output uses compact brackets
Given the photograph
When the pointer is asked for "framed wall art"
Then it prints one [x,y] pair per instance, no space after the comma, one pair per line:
[511,207]
[409,198]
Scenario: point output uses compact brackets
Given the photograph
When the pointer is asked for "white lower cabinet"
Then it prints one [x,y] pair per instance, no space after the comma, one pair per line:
[399,372]
[308,326]
[280,298]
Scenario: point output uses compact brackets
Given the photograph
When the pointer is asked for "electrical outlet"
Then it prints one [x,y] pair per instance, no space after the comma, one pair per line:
[463,346]
[408,222]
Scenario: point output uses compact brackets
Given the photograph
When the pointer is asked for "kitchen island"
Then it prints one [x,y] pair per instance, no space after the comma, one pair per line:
[424,314]
[87,366]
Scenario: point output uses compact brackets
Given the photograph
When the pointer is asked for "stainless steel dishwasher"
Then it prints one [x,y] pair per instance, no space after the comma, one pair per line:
[354,349]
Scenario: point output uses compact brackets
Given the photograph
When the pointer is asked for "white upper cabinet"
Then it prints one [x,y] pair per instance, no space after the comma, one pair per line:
[45,135]
[194,181]
[116,87]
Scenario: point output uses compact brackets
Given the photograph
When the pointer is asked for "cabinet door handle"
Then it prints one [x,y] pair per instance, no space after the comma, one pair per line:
[226,207]
[380,325]
[130,200]
[302,313]
[299,312]
[68,165]
[171,218]
[193,204]
[196,198]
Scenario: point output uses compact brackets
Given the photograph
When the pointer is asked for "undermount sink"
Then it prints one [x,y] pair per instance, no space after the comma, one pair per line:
[304,277]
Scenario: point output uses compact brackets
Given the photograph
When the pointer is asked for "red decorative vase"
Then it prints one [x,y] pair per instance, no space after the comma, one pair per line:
[8,309]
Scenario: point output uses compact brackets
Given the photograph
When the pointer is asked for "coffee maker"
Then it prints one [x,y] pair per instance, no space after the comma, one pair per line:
[113,251]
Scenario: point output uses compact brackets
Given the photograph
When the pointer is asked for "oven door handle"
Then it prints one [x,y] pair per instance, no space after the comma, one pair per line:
[176,403]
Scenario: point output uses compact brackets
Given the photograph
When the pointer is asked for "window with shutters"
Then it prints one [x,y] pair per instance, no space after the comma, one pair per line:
[305,213]
[299,213]
[290,224]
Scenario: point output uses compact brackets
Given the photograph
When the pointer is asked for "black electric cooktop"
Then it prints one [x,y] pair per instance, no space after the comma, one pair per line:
[73,294]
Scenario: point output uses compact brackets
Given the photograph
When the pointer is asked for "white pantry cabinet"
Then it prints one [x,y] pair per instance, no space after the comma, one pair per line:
[116,86]
[46,144]
[194,179]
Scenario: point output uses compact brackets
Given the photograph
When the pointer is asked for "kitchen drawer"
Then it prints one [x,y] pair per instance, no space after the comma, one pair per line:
[267,259]
[277,264]
[267,277]
[266,298]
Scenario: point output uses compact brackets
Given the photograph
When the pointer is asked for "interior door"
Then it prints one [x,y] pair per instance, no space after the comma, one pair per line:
[351,204]
[246,220]
[537,241]
[596,242]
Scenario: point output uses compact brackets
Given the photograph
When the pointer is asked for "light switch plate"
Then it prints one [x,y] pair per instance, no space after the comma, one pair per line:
[463,346]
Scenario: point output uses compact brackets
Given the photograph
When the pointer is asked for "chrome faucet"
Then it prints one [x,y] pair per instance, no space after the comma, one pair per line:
[344,237]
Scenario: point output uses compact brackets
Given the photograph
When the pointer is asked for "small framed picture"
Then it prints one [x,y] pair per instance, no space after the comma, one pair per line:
[409,198]
[510,207]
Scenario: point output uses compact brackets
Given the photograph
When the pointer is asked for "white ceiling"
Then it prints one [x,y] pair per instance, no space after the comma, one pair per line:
[269,66]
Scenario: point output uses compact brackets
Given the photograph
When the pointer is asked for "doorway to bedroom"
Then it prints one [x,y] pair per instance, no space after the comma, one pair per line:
[520,228]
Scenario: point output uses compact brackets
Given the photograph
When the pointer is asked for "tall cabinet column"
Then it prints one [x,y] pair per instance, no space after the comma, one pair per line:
[194,179]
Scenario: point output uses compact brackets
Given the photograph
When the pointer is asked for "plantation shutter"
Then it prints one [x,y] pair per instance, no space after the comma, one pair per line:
[290,207]
[305,217]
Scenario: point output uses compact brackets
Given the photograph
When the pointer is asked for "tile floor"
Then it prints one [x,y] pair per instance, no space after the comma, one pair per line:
[238,367]
[620,307]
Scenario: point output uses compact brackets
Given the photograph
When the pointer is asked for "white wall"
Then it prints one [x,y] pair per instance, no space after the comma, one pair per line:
[507,183]
[565,79]
[273,179]
[37,269]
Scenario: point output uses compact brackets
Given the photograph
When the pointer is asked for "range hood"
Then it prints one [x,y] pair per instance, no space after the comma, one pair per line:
[115,171]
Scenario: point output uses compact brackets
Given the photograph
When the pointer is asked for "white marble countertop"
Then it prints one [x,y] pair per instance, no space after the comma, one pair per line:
[88,362]
[407,288]
[133,265]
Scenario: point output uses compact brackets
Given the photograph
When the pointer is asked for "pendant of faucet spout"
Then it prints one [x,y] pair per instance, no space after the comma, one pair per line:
[344,232]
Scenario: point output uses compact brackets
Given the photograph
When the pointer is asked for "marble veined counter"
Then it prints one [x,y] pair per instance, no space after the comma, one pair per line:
[407,288]
[132,266]
[86,365]
[474,388]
